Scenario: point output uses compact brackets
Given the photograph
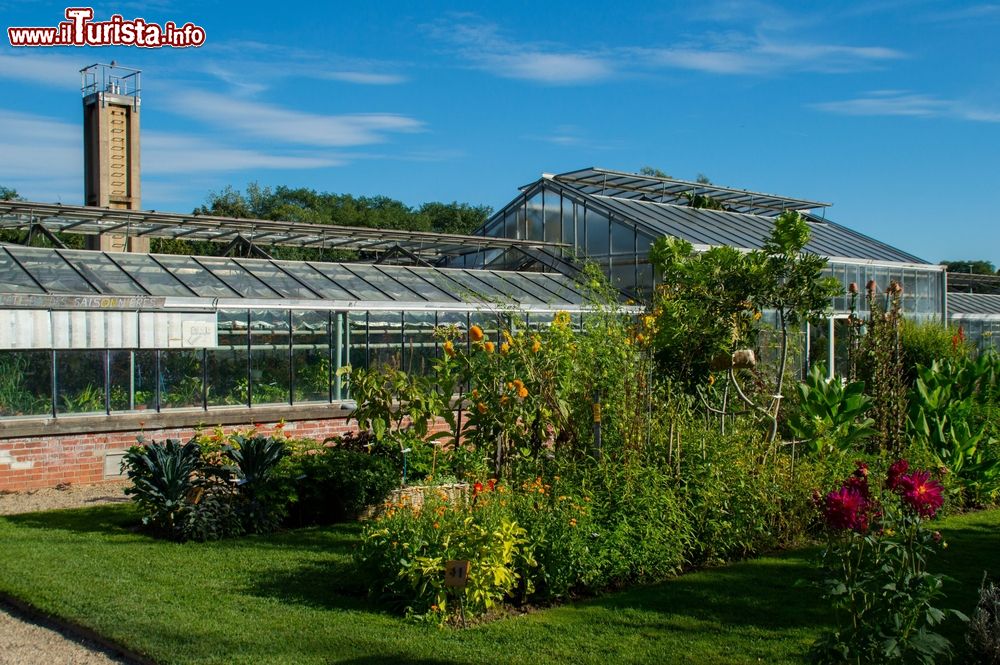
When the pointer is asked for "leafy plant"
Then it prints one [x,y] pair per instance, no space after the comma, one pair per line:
[256,458]
[163,478]
[831,415]
[941,406]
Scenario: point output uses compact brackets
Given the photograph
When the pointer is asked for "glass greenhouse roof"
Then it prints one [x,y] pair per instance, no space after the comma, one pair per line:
[624,185]
[701,226]
[71,278]
[88,220]
[981,306]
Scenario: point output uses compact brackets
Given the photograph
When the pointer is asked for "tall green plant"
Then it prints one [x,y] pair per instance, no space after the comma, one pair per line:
[880,364]
[831,415]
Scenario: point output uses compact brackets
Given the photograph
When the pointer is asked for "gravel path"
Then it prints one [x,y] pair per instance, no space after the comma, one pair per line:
[26,643]
[66,496]
[23,642]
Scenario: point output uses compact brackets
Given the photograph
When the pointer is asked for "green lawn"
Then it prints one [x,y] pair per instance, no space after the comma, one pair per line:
[290,598]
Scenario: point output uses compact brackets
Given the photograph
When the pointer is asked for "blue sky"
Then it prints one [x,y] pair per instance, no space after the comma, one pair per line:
[890,110]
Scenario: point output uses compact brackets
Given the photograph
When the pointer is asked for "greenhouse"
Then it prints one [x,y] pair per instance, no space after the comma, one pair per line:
[978,315]
[613,218]
[100,332]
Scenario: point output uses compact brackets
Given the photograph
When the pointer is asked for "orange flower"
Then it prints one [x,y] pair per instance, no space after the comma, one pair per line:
[536,346]
[503,400]
[437,526]
[475,333]
[489,346]
[475,393]
[449,348]
[505,348]
[481,408]
[510,385]
[522,392]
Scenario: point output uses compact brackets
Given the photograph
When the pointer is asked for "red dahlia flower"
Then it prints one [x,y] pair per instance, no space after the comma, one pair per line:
[477,488]
[921,493]
[845,509]
[896,473]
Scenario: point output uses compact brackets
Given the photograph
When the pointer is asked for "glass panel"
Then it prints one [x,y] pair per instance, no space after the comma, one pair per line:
[568,221]
[644,281]
[357,339]
[417,284]
[361,289]
[150,274]
[553,217]
[311,336]
[563,291]
[25,383]
[622,239]
[418,342]
[644,242]
[133,380]
[180,379]
[79,381]
[623,275]
[269,369]
[485,291]
[535,217]
[443,280]
[278,280]
[385,339]
[312,278]
[525,289]
[201,281]
[104,273]
[13,279]
[510,223]
[597,233]
[383,282]
[51,271]
[227,363]
[234,275]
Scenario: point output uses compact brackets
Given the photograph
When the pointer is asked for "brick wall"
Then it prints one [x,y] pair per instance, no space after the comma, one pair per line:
[46,461]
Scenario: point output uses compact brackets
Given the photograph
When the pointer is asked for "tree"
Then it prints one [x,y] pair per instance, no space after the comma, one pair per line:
[9,194]
[971,267]
[708,304]
[653,171]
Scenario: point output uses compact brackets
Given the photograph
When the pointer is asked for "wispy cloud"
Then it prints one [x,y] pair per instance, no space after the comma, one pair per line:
[981,12]
[483,46]
[251,66]
[49,69]
[169,153]
[572,136]
[907,103]
[273,122]
[43,157]
[768,47]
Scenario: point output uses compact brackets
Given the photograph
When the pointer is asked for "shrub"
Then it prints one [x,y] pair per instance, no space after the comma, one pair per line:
[926,341]
[983,638]
[333,485]
[404,551]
